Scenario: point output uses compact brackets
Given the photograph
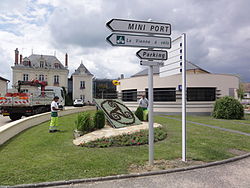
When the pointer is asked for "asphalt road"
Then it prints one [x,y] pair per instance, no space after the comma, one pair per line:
[234,174]
[4,120]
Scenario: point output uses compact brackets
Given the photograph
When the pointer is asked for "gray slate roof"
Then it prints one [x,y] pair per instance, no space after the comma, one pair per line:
[48,59]
[1,78]
[81,70]
[156,70]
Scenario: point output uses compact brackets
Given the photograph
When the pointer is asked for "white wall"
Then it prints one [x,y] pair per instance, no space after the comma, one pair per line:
[87,92]
[222,83]
[3,87]
[48,76]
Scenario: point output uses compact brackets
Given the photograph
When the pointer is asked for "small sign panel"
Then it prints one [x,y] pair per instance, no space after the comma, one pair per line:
[152,54]
[125,40]
[134,26]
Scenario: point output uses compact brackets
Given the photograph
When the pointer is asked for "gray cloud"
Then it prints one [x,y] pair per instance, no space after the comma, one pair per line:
[218,31]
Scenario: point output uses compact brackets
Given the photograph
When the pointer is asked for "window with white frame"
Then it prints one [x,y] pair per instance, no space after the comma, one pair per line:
[82,84]
[41,64]
[56,79]
[25,77]
[41,77]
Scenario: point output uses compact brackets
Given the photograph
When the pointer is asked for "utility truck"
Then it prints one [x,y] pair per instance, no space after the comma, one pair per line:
[16,105]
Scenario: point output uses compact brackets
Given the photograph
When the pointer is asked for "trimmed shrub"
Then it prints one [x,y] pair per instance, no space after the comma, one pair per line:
[228,108]
[84,122]
[99,119]
[139,113]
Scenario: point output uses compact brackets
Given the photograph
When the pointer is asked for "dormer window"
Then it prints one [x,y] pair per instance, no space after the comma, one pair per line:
[41,64]
[57,65]
[26,63]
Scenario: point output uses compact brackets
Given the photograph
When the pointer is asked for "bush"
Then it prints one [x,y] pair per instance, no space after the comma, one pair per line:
[228,108]
[84,122]
[139,113]
[136,138]
[99,119]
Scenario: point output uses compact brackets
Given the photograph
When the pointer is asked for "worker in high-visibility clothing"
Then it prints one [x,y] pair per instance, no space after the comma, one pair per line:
[53,127]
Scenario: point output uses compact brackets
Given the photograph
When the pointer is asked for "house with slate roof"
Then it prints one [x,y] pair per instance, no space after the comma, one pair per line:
[40,67]
[82,84]
[203,88]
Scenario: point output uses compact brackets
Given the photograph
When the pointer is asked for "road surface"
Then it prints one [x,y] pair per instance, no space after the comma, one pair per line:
[234,174]
[4,120]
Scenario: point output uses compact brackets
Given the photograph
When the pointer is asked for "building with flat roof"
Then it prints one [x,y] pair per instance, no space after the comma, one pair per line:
[203,88]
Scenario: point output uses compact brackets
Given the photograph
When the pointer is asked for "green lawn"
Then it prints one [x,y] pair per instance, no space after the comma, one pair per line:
[37,156]
[228,124]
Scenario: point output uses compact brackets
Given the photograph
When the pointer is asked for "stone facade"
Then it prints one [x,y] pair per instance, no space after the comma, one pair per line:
[40,67]
[3,86]
[82,81]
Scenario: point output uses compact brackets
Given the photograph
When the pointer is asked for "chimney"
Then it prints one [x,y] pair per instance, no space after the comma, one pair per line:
[122,76]
[21,59]
[66,60]
[16,56]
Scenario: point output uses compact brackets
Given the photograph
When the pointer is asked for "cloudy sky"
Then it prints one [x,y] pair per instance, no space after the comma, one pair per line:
[218,32]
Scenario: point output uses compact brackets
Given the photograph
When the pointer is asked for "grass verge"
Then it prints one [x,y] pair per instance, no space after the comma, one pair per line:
[37,156]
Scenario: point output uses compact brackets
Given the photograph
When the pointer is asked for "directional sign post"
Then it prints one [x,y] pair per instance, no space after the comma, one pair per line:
[149,41]
[152,54]
[127,40]
[151,63]
[132,26]
[176,64]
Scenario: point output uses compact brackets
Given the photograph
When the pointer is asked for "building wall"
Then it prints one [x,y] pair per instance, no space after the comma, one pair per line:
[222,82]
[87,91]
[34,74]
[3,87]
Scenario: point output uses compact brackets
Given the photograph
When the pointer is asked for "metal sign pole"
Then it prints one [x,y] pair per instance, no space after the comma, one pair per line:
[150,115]
[184,97]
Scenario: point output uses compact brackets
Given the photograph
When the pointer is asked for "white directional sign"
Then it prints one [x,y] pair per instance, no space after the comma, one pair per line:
[152,54]
[174,63]
[151,63]
[132,26]
[118,39]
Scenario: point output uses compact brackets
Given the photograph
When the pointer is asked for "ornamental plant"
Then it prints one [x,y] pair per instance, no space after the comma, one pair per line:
[99,119]
[228,108]
[84,122]
[139,113]
[129,139]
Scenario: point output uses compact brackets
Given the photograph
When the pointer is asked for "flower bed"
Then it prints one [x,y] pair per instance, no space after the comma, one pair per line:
[128,139]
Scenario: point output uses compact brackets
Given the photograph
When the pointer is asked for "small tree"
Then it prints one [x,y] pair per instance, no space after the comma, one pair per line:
[240,91]
[228,108]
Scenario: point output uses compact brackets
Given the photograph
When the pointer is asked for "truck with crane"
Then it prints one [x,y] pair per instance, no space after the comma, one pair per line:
[18,104]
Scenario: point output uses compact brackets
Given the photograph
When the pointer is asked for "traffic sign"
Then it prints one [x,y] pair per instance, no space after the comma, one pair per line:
[173,65]
[134,26]
[152,54]
[118,39]
[151,63]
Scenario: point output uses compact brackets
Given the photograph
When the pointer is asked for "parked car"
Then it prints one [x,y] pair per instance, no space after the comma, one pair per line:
[78,102]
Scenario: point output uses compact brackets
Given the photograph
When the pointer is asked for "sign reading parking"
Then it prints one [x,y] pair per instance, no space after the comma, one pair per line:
[152,54]
[132,26]
[126,40]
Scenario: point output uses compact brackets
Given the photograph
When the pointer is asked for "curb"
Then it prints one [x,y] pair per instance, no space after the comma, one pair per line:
[125,176]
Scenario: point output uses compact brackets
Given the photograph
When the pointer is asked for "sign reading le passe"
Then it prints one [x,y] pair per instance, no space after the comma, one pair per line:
[133,26]
[119,39]
[152,54]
